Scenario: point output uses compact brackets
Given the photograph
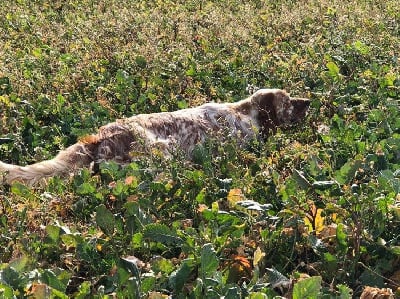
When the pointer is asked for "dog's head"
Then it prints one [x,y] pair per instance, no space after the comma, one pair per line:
[277,109]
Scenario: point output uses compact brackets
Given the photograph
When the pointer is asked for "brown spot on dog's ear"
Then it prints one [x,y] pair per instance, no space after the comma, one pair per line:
[263,102]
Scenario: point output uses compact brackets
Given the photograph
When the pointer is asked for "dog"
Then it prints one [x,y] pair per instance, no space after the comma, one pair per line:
[260,114]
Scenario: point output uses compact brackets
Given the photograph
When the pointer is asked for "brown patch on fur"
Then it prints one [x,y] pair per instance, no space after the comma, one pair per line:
[89,139]
[267,115]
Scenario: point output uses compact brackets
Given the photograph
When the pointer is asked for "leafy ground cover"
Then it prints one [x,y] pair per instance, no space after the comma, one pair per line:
[309,213]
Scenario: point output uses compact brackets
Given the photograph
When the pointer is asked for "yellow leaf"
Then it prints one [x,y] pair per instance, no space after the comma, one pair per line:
[214,206]
[234,196]
[318,220]
[258,256]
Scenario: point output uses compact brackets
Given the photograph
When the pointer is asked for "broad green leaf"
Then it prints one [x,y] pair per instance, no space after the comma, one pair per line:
[148,284]
[341,237]
[21,190]
[301,180]
[333,70]
[131,264]
[346,173]
[395,250]
[85,189]
[137,240]
[141,61]
[200,197]
[208,261]
[162,265]
[374,278]
[105,220]
[10,277]
[58,282]
[6,291]
[258,295]
[361,47]
[19,264]
[37,52]
[191,72]
[329,258]
[344,291]
[179,277]
[307,288]
[233,293]
[83,291]
[69,240]
[53,232]
[161,233]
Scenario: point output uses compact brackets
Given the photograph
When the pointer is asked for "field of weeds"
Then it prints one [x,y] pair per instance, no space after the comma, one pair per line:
[313,212]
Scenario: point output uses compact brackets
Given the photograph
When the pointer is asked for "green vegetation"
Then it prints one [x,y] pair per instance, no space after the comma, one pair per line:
[313,212]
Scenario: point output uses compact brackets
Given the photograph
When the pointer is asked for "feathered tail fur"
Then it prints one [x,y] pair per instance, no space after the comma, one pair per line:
[74,157]
[113,141]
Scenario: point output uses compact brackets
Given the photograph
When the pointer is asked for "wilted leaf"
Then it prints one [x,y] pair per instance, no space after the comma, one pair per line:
[258,256]
[277,279]
[376,293]
[318,224]
[157,295]
[239,267]
[39,290]
[234,196]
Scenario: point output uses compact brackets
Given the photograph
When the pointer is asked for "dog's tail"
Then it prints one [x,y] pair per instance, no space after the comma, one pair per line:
[76,156]
[113,141]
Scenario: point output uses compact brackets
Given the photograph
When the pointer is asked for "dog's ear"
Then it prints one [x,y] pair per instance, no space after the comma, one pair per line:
[264,102]
[300,108]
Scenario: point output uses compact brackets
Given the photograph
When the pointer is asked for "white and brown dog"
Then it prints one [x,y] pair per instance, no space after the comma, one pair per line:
[261,113]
